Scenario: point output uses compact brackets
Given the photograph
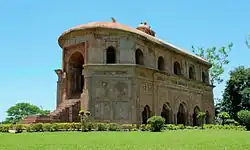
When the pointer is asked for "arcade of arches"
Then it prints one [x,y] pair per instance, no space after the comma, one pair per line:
[181,116]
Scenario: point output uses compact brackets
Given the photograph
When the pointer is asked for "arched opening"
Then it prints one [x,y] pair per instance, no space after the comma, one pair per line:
[145,114]
[76,78]
[181,115]
[204,77]
[139,57]
[161,63]
[177,68]
[166,113]
[110,55]
[207,117]
[191,72]
[195,114]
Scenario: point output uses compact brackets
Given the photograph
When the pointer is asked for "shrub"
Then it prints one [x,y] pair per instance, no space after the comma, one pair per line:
[19,128]
[225,127]
[75,126]
[38,127]
[66,126]
[91,126]
[27,128]
[171,127]
[156,123]
[5,127]
[231,122]
[114,127]
[47,127]
[181,126]
[244,118]
[223,116]
[127,127]
[55,127]
[102,127]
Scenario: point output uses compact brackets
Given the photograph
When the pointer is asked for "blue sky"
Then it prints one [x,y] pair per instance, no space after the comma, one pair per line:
[29,32]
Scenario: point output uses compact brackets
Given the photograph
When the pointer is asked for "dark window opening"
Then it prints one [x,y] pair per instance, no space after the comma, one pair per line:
[110,56]
[161,63]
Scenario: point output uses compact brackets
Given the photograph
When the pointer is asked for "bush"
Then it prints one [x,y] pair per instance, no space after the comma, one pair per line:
[231,122]
[156,123]
[38,127]
[65,126]
[225,127]
[75,126]
[19,128]
[5,127]
[48,127]
[114,127]
[102,127]
[171,127]
[223,116]
[55,127]
[244,118]
[128,127]
[91,126]
[181,126]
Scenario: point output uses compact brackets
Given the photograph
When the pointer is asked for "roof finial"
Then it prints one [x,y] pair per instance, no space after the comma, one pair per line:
[113,20]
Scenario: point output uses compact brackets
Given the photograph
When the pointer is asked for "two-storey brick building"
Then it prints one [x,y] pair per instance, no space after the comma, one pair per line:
[123,74]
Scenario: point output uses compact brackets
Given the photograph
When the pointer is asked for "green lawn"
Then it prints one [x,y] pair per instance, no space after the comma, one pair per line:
[174,140]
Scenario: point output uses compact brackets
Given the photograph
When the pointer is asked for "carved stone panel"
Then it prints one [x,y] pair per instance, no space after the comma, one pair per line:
[120,111]
[146,87]
[162,94]
[102,89]
[121,90]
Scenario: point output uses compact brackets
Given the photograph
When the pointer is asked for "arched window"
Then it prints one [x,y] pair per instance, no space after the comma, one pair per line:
[110,56]
[177,68]
[161,63]
[191,72]
[139,57]
[204,77]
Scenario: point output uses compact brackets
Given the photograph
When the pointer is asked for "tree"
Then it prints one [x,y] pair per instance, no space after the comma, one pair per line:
[236,95]
[201,116]
[244,118]
[19,111]
[218,57]
[223,116]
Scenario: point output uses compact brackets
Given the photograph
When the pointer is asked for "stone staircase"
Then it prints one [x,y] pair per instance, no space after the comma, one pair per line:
[62,114]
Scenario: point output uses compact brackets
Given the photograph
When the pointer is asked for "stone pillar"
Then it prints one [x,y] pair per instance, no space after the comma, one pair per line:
[175,118]
[71,114]
[59,87]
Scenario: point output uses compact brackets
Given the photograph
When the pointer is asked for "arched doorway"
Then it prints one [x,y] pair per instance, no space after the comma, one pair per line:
[110,55]
[181,115]
[166,113]
[145,114]
[76,79]
[207,117]
[195,114]
[139,57]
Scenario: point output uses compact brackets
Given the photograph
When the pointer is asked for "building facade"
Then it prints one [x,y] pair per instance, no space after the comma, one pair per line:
[123,74]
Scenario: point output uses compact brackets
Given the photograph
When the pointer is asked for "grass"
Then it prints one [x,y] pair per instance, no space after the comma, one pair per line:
[170,140]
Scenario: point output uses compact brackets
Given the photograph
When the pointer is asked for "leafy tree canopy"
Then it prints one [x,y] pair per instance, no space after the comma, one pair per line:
[19,111]
[218,57]
[236,95]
